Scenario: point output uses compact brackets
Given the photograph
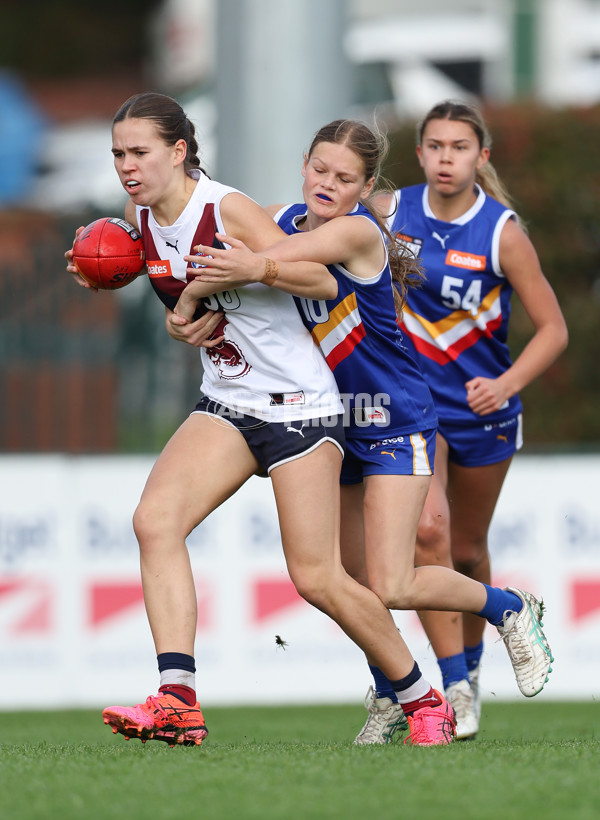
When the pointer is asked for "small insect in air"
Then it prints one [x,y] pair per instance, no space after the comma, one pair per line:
[280,643]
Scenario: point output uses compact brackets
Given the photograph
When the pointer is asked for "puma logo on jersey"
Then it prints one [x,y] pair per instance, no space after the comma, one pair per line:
[295,430]
[391,453]
[441,239]
[171,245]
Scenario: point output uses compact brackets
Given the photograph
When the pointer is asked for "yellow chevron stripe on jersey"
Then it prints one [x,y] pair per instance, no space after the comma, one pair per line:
[456,326]
[343,320]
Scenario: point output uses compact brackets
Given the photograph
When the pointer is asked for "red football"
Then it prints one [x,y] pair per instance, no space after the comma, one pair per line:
[109,253]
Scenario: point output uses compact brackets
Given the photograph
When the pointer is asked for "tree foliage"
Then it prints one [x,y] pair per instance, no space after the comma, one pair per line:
[63,38]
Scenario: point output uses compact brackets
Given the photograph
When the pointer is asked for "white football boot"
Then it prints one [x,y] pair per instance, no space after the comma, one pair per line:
[460,696]
[526,644]
[385,719]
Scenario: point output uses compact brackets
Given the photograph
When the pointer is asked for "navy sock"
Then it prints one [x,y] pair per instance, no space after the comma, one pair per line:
[175,660]
[408,681]
[473,655]
[383,688]
[453,669]
[498,602]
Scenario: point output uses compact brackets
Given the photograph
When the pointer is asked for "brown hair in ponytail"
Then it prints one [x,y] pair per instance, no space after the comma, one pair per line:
[170,119]
[371,148]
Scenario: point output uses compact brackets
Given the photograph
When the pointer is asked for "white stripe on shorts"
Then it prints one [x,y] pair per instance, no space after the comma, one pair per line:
[519,435]
[306,452]
[421,464]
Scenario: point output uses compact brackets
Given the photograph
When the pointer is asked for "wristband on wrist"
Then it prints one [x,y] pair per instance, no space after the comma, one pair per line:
[271,271]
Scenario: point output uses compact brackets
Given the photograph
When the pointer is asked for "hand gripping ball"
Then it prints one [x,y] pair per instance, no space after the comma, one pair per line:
[109,253]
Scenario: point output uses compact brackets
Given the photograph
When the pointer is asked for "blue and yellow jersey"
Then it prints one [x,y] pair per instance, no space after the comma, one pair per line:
[382,388]
[458,320]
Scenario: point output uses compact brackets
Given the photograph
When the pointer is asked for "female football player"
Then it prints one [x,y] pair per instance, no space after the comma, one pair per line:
[390,422]
[264,382]
[461,225]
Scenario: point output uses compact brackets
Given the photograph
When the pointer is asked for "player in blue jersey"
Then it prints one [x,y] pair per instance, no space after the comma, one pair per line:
[390,425]
[460,224]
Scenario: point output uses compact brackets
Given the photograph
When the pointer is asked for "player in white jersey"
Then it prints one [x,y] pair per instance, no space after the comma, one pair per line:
[386,474]
[256,369]
[460,224]
[220,446]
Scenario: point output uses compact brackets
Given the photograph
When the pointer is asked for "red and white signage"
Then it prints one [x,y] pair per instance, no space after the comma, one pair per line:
[73,628]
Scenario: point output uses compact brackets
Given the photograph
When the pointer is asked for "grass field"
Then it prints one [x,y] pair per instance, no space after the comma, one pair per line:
[531,760]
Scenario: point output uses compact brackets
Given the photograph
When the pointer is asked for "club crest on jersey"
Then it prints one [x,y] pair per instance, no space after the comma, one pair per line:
[413,243]
[229,360]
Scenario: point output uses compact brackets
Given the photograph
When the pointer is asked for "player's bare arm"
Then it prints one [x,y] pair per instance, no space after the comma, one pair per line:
[346,240]
[520,264]
[300,277]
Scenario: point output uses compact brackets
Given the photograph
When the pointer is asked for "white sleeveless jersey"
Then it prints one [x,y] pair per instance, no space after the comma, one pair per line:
[268,365]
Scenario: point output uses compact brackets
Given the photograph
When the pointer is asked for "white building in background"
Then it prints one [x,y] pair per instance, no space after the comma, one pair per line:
[333,58]
[548,50]
[568,67]
[498,50]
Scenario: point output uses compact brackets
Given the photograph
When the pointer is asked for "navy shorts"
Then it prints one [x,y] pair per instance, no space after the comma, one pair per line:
[408,454]
[482,443]
[273,443]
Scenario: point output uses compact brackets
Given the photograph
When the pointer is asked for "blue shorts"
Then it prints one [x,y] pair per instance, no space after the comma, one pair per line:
[483,442]
[274,443]
[409,454]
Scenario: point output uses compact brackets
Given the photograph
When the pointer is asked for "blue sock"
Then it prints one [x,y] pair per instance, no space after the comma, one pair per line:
[383,688]
[498,602]
[453,669]
[473,655]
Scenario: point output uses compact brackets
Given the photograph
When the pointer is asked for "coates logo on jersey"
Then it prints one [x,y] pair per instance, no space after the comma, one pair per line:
[159,268]
[462,259]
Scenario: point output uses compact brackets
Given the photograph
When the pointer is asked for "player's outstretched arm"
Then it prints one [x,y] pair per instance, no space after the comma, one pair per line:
[249,228]
[238,266]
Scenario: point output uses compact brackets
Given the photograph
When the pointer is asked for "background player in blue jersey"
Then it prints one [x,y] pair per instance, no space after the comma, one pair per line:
[390,426]
[461,226]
